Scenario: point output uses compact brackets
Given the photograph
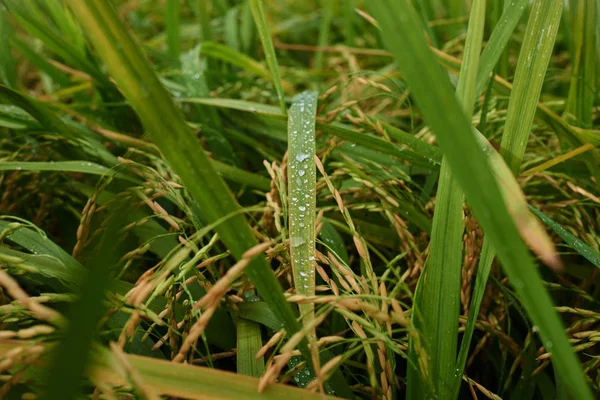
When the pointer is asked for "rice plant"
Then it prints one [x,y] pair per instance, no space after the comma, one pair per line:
[280,199]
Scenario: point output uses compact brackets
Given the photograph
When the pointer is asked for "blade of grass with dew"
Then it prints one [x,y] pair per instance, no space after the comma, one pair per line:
[181,149]
[582,89]
[83,167]
[172,25]
[50,121]
[432,91]
[302,175]
[436,312]
[327,7]
[260,19]
[249,342]
[576,244]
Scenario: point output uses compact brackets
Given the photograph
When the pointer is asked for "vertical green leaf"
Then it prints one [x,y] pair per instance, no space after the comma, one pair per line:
[8,66]
[260,19]
[327,7]
[302,191]
[249,342]
[432,92]
[529,77]
[172,24]
[582,90]
[438,307]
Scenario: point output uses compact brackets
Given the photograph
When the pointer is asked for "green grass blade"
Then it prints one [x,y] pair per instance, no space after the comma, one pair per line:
[582,90]
[74,351]
[531,69]
[437,310]
[8,65]
[514,141]
[249,342]
[181,149]
[50,121]
[204,19]
[432,91]
[183,380]
[348,7]
[83,167]
[302,191]
[172,25]
[499,38]
[32,23]
[327,7]
[578,245]
[260,19]
[224,53]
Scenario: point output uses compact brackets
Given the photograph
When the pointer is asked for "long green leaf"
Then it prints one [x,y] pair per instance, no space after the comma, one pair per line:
[302,191]
[432,91]
[172,25]
[182,380]
[165,122]
[582,89]
[260,18]
[439,302]
[578,245]
[74,351]
[507,23]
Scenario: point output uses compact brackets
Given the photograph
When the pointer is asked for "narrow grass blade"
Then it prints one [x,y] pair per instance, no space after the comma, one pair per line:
[327,7]
[249,342]
[302,175]
[8,64]
[582,89]
[227,54]
[348,7]
[501,34]
[29,18]
[260,19]
[52,122]
[172,25]
[204,19]
[74,351]
[181,149]
[432,92]
[559,159]
[436,312]
[83,167]
[183,380]
[578,245]
[531,69]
